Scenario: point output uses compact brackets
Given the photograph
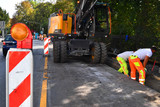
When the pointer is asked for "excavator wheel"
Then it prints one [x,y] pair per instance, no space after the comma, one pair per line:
[103,53]
[63,51]
[56,51]
[95,53]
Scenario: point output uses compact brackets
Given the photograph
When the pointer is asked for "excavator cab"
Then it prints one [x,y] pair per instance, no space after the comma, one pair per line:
[93,18]
[59,25]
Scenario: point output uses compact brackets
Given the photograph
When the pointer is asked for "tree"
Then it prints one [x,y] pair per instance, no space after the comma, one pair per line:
[44,10]
[24,13]
[67,6]
[42,13]
[137,18]
[4,16]
[35,15]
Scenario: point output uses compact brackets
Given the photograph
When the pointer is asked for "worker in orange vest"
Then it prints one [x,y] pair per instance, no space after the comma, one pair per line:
[122,58]
[135,62]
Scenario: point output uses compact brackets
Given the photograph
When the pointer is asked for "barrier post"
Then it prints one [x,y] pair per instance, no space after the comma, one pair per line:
[19,78]
[49,39]
[46,46]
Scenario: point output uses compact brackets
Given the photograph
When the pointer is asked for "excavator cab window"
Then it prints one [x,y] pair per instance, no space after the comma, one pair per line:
[65,16]
[101,18]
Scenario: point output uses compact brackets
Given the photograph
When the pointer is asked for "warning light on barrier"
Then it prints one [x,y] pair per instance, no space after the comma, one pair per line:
[22,34]
[19,32]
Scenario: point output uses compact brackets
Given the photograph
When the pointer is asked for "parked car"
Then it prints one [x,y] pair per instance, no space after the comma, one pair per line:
[8,43]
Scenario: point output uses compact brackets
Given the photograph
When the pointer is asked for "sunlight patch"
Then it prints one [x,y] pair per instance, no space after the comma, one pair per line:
[66,101]
[86,89]
[118,90]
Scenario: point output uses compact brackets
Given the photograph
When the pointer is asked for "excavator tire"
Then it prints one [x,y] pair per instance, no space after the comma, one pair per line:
[63,51]
[103,53]
[95,53]
[56,51]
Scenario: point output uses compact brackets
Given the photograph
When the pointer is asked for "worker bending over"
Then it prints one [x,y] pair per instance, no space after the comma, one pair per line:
[122,58]
[135,63]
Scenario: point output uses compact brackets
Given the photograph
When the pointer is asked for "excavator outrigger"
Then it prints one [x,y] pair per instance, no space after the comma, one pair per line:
[81,33]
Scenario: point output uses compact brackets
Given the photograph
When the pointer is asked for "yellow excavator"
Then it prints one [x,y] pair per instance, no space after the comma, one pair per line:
[81,33]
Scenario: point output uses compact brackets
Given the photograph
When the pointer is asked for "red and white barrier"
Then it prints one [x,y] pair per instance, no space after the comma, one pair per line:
[46,48]
[49,39]
[19,80]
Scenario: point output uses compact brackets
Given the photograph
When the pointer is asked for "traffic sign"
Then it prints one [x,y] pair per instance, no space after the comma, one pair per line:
[2,25]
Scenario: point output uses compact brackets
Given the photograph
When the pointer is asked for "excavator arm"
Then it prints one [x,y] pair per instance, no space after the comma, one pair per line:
[88,17]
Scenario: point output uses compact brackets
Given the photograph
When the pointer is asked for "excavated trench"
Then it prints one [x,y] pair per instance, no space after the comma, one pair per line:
[152,75]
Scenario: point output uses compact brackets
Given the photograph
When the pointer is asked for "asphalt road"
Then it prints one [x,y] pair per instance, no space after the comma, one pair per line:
[2,78]
[78,83]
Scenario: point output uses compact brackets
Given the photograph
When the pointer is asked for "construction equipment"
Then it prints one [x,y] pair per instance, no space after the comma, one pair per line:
[81,33]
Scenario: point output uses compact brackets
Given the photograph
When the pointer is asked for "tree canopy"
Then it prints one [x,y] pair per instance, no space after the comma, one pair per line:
[35,15]
[4,16]
[139,19]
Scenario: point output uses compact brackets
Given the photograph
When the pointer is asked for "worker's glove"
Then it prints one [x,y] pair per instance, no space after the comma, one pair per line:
[145,69]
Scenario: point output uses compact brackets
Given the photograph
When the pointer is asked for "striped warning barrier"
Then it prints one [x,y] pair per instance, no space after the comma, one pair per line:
[19,69]
[49,39]
[46,49]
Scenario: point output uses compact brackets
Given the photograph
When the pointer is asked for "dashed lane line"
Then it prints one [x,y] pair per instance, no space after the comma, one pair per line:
[46,63]
[43,101]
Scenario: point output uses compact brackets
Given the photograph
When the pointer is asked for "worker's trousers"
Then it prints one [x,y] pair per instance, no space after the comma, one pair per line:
[123,65]
[135,64]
